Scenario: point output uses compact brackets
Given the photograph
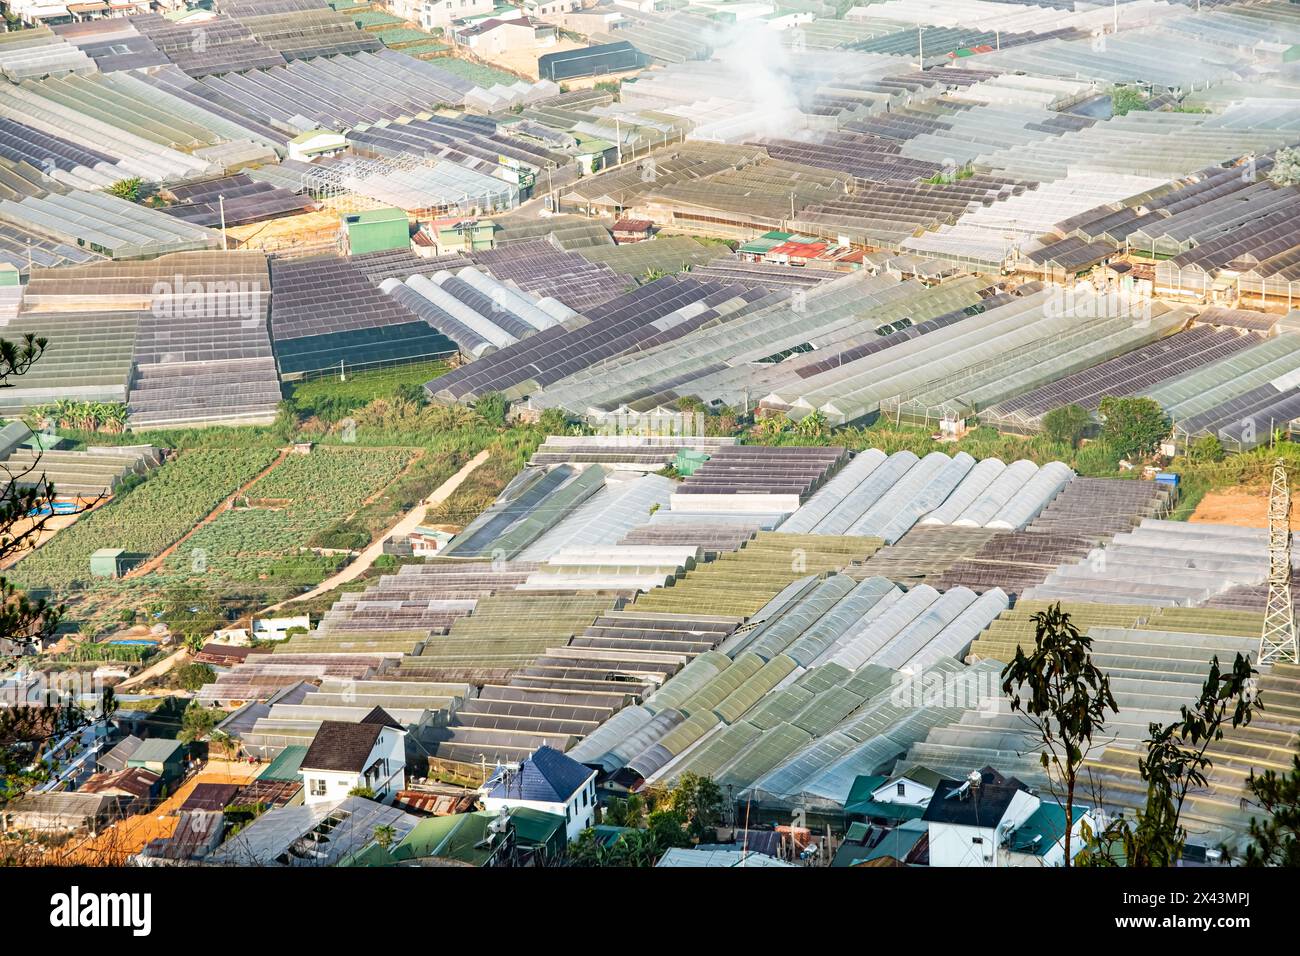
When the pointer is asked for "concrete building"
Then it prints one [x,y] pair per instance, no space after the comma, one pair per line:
[547,781]
[345,756]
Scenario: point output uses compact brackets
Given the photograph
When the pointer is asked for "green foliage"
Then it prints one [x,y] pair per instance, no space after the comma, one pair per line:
[107,417]
[128,189]
[193,676]
[1176,764]
[362,791]
[1207,448]
[625,812]
[1134,427]
[1286,167]
[1125,99]
[493,409]
[699,802]
[1065,699]
[198,721]
[314,396]
[1275,839]
[1067,424]
[554,421]
[145,520]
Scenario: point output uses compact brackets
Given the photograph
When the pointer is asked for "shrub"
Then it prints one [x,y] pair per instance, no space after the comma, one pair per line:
[1066,424]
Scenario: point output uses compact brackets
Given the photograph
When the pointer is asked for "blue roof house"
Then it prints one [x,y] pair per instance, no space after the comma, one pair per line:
[548,781]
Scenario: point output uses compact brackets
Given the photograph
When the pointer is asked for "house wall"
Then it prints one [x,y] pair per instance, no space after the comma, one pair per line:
[954,845]
[579,813]
[439,14]
[320,786]
[913,795]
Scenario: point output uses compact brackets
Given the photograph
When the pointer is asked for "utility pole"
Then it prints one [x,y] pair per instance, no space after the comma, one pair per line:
[221,205]
[1277,642]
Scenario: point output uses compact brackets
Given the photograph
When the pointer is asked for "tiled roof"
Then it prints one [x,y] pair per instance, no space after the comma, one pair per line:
[340,745]
[548,776]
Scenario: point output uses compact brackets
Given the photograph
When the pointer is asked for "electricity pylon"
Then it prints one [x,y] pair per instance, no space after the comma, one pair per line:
[1277,642]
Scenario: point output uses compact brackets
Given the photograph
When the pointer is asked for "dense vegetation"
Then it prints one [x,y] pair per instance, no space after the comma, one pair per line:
[146,519]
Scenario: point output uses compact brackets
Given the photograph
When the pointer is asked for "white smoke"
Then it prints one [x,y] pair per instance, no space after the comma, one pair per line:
[763,73]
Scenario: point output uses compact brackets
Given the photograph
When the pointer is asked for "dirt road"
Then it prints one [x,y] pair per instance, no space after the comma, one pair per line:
[410,521]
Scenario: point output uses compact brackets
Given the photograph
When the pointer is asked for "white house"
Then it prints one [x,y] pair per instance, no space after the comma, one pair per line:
[277,628]
[989,820]
[316,143]
[344,756]
[440,14]
[1040,840]
[548,781]
[968,822]
[913,787]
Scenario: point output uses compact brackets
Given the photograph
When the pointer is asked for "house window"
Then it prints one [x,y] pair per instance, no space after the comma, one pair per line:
[567,817]
[584,798]
[317,788]
[902,789]
[978,841]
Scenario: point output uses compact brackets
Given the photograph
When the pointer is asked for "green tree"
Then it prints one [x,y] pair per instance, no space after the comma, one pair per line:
[1286,167]
[493,408]
[197,722]
[128,189]
[699,801]
[1275,840]
[1064,697]
[668,828]
[362,791]
[193,676]
[1067,424]
[1134,427]
[554,421]
[385,834]
[1176,763]
[813,425]
[1205,449]
[1125,99]
[628,811]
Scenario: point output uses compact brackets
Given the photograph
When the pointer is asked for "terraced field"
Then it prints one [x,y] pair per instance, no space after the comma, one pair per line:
[146,519]
[266,533]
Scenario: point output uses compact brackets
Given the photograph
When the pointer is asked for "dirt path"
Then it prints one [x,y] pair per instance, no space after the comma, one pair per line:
[409,522]
[153,564]
[155,670]
[1242,507]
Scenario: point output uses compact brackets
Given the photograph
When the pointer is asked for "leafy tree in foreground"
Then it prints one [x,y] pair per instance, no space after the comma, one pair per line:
[1176,763]
[27,732]
[1275,840]
[1064,697]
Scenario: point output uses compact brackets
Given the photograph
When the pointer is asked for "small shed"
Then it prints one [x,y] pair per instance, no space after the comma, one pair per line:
[163,756]
[376,230]
[112,562]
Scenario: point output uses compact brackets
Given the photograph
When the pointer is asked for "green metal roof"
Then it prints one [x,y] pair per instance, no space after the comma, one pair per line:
[286,764]
[1043,829]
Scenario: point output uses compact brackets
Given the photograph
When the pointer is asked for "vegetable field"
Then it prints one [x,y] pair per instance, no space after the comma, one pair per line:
[264,535]
[146,519]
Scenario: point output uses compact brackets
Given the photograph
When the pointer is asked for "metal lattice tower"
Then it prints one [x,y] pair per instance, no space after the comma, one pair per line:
[1277,642]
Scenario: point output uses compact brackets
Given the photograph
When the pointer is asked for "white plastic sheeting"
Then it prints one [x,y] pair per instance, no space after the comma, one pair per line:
[1001,490]
[1033,497]
[820,505]
[975,483]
